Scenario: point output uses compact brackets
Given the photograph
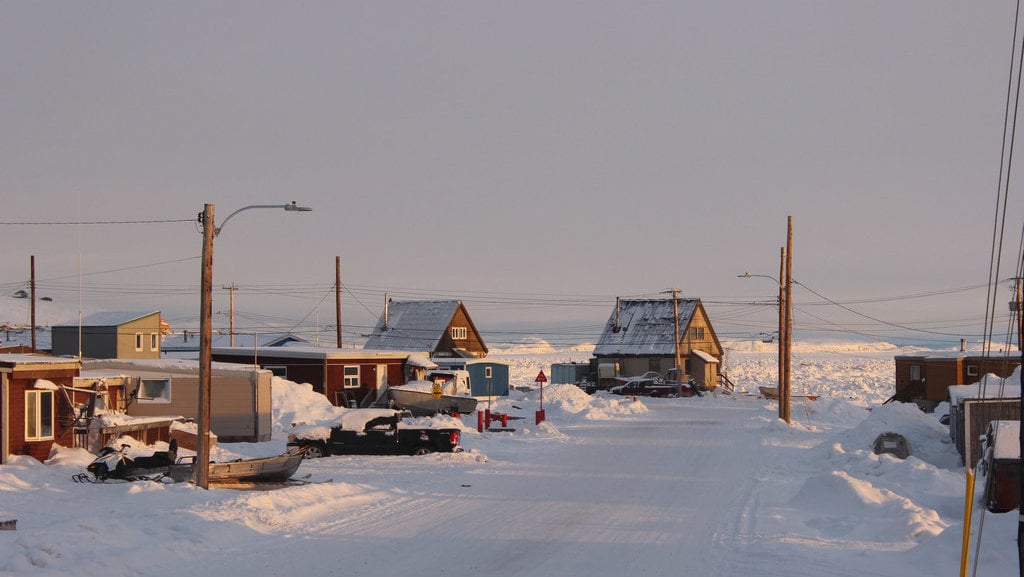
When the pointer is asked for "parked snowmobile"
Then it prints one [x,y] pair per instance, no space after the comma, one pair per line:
[114,463]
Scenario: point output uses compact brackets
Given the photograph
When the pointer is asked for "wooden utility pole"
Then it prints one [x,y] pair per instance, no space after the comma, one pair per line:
[32,286]
[202,475]
[782,327]
[337,295]
[789,318]
[675,310]
[231,288]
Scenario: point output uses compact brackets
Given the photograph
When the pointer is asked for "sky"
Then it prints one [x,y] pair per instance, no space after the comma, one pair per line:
[533,159]
[605,486]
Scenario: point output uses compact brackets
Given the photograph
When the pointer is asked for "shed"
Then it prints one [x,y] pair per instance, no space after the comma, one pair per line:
[488,378]
[33,414]
[110,335]
[1002,463]
[973,407]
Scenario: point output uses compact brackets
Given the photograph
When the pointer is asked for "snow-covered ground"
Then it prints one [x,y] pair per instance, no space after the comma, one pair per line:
[606,486]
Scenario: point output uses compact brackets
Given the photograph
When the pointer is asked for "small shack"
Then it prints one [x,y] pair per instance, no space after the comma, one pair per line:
[925,379]
[973,407]
[33,415]
[1002,466]
[487,377]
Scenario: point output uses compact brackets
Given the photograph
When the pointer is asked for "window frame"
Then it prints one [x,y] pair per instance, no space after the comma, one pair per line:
[154,342]
[460,333]
[351,380]
[138,342]
[38,428]
[163,399]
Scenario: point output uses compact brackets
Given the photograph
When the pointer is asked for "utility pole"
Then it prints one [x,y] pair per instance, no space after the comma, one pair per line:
[32,286]
[337,295]
[782,327]
[231,288]
[202,475]
[675,310]
[789,319]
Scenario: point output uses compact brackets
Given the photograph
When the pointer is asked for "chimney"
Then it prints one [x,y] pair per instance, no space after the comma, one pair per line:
[617,326]
[963,345]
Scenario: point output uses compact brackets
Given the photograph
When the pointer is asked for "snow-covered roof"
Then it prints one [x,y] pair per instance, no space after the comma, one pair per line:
[1007,440]
[182,343]
[707,358]
[645,327]
[413,325]
[22,336]
[122,367]
[30,359]
[110,318]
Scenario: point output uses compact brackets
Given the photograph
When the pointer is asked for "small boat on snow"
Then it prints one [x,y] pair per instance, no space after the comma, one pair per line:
[418,397]
[275,469]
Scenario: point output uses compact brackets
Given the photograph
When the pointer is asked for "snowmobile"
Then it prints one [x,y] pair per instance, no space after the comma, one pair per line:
[114,463]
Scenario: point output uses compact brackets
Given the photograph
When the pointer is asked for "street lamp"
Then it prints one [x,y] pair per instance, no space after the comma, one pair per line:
[202,474]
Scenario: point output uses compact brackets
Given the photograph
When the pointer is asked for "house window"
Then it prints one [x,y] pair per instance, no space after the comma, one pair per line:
[277,370]
[915,372]
[488,372]
[460,333]
[351,376]
[697,333]
[138,341]
[154,341]
[155,391]
[972,370]
[38,415]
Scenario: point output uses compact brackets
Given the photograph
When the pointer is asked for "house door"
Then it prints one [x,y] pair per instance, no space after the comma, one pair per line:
[382,379]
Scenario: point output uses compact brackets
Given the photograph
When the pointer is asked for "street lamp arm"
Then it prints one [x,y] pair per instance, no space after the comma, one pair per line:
[748,275]
[292,207]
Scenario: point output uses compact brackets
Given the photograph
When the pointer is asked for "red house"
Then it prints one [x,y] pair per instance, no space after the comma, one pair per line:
[344,376]
[34,411]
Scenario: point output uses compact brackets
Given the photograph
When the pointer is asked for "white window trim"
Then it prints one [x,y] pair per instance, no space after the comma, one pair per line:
[460,333]
[138,342]
[154,341]
[346,377]
[488,372]
[35,421]
[161,400]
[972,370]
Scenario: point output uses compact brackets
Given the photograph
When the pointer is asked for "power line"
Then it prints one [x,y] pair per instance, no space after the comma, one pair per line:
[94,222]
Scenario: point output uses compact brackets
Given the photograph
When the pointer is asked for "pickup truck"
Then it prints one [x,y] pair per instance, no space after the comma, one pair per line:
[652,384]
[373,432]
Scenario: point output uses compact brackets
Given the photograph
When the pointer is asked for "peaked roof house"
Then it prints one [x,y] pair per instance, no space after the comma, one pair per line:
[640,336]
[110,335]
[443,328]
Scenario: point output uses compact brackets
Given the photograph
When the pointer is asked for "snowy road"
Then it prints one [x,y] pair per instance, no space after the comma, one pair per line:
[591,504]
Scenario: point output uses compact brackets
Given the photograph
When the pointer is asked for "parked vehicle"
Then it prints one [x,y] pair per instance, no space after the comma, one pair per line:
[114,463]
[652,384]
[418,396]
[373,432]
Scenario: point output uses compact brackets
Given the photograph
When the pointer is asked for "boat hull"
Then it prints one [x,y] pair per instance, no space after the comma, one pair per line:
[422,404]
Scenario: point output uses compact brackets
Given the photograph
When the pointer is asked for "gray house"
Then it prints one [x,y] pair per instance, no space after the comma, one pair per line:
[640,336]
[110,335]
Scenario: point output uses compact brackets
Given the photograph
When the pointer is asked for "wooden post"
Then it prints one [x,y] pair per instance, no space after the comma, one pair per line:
[337,295]
[782,327]
[675,310]
[231,314]
[202,474]
[789,316]
[32,285]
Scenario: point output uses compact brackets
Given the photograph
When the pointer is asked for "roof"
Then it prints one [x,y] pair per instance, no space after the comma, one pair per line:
[110,318]
[413,325]
[646,327]
[312,352]
[179,343]
[12,360]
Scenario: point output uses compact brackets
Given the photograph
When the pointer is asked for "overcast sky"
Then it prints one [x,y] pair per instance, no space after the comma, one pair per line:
[534,159]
